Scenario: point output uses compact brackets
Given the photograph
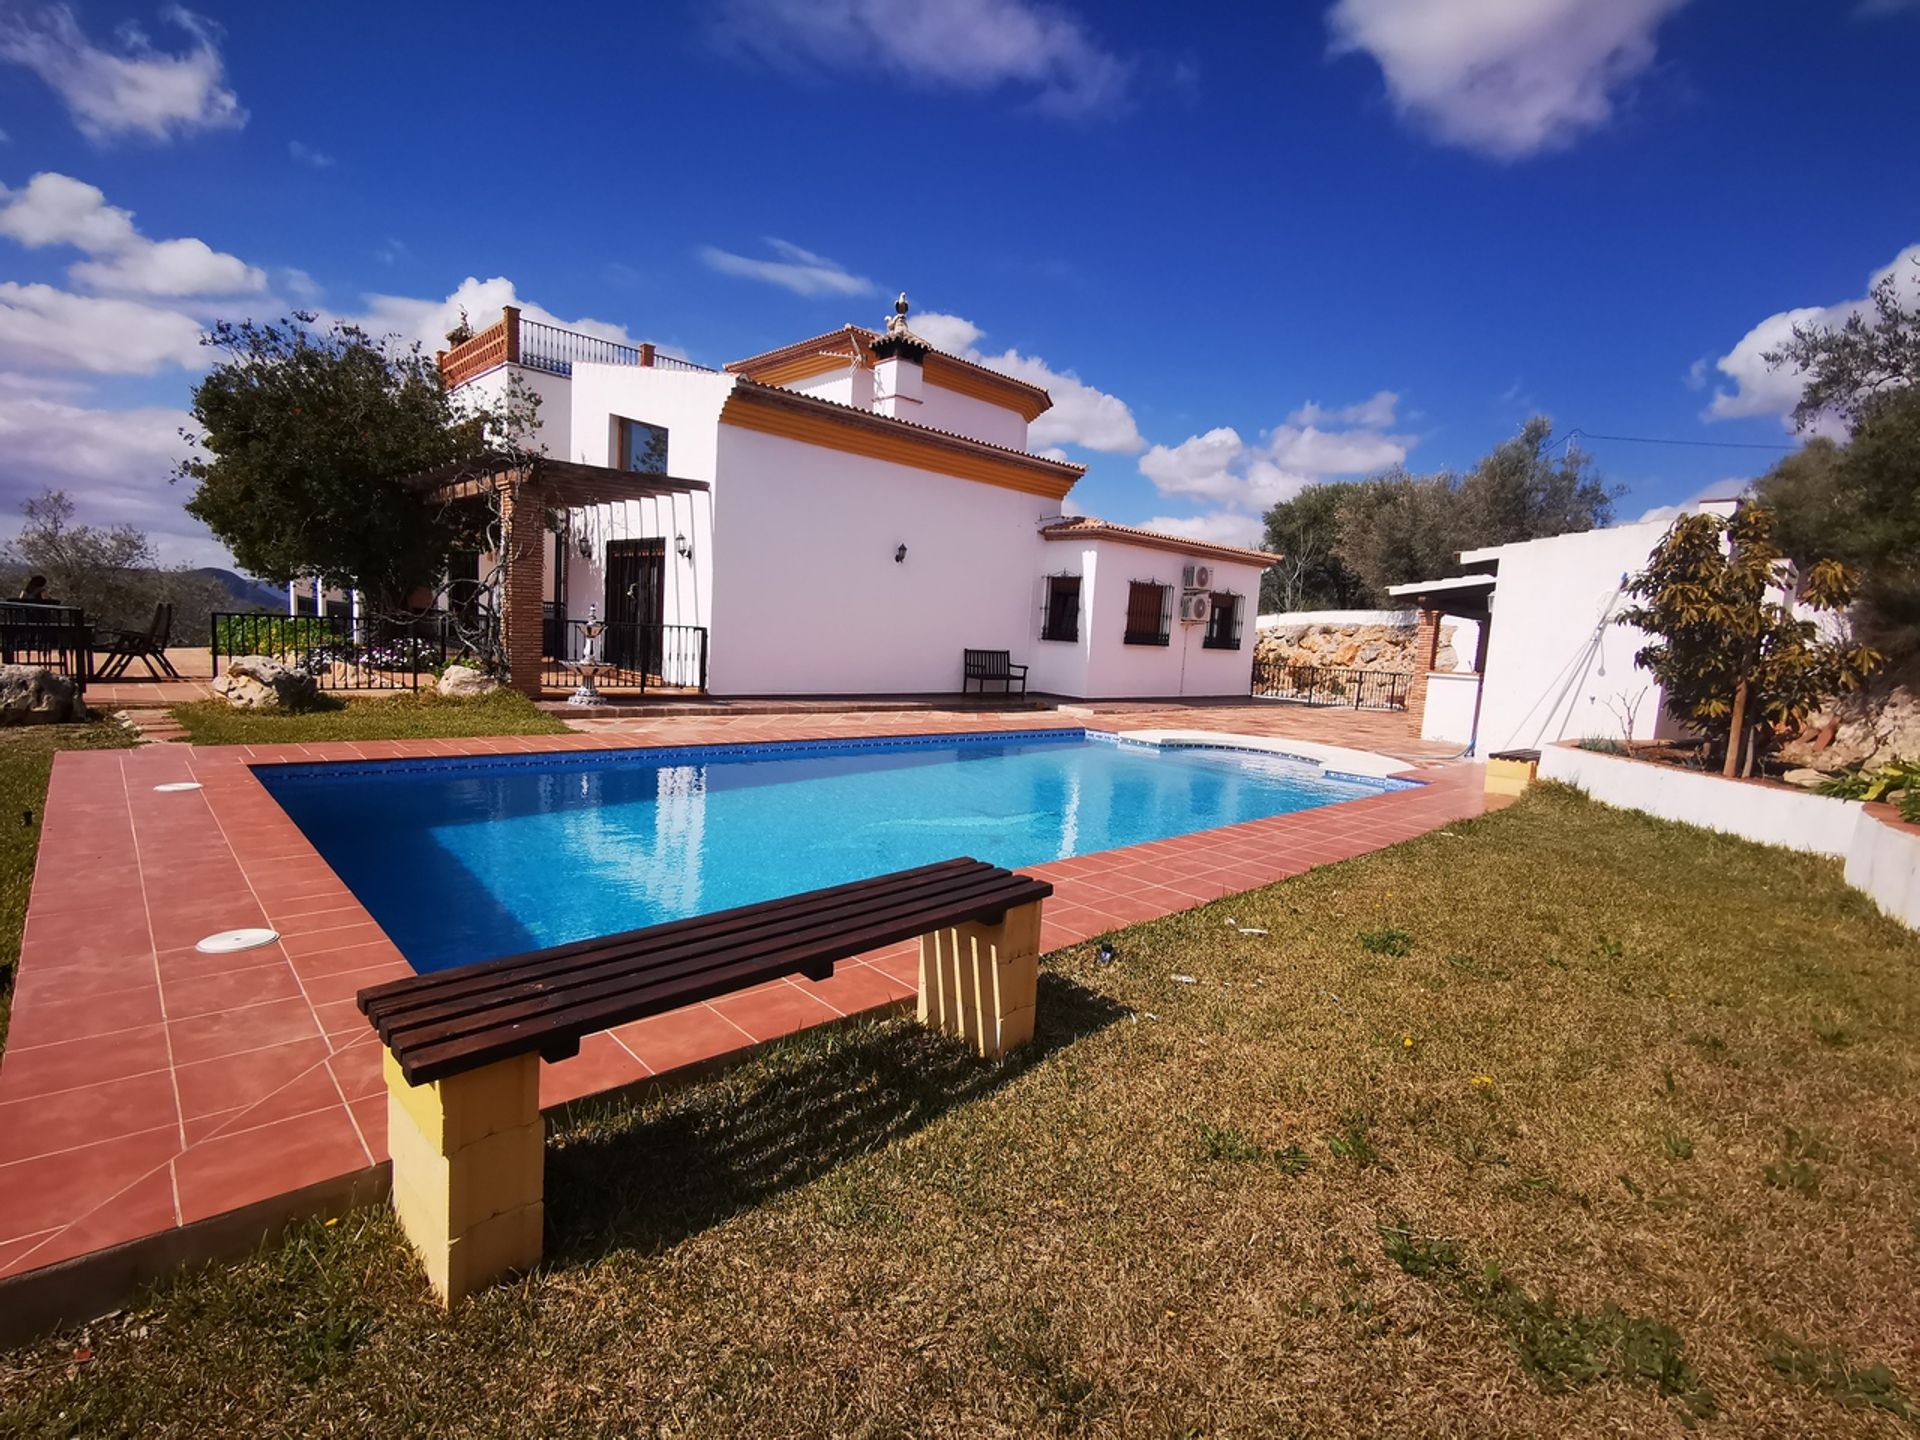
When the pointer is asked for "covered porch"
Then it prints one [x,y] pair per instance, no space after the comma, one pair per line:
[542,637]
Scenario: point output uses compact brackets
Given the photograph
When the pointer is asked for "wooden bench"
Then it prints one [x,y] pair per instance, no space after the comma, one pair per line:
[995,665]
[464,1046]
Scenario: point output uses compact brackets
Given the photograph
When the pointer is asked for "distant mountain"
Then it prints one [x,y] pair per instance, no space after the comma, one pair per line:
[247,594]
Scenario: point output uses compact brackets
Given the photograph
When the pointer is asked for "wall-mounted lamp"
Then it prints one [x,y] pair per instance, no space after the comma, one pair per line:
[584,544]
[683,547]
[900,556]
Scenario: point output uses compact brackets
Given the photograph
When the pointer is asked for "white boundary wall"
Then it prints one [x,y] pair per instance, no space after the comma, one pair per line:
[1767,813]
[1882,857]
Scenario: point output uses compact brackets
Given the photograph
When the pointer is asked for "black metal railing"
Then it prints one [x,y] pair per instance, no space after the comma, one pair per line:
[341,652]
[55,637]
[629,656]
[1324,685]
[557,351]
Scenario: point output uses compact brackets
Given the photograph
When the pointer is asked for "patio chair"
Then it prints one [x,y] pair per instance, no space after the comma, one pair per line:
[148,646]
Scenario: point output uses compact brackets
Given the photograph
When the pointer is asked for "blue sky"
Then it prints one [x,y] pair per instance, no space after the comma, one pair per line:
[1248,248]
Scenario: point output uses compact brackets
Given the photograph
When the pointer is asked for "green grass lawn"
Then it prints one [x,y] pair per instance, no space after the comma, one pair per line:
[1560,1122]
[407,716]
[26,759]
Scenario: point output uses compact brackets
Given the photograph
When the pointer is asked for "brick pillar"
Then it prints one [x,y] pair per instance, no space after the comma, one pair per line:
[1426,646]
[523,552]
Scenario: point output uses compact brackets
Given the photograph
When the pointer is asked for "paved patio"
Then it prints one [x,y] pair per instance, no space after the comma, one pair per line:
[146,1086]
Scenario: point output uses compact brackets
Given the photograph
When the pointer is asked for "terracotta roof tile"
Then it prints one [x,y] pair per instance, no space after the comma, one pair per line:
[1090,527]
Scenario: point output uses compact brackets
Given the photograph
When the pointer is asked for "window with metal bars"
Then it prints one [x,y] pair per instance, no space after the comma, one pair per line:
[1060,618]
[1149,613]
[1223,622]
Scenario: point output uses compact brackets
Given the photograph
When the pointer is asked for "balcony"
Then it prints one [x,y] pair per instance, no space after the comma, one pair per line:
[513,340]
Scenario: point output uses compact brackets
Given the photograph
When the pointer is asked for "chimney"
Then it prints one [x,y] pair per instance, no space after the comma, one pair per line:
[898,371]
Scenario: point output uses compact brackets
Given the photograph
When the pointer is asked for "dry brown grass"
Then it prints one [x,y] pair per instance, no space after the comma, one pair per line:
[1264,1203]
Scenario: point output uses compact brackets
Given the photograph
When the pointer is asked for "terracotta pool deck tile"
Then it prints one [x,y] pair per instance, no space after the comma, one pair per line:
[340,1019]
[188,963]
[683,1037]
[81,1018]
[66,1064]
[44,1124]
[345,984]
[239,1167]
[52,1191]
[209,1037]
[141,1208]
[310,1091]
[335,940]
[356,1068]
[186,997]
[602,1064]
[768,1012]
[209,1087]
[855,988]
[315,922]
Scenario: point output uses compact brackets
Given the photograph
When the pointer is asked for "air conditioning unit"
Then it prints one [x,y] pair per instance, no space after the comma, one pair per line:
[1196,577]
[1194,609]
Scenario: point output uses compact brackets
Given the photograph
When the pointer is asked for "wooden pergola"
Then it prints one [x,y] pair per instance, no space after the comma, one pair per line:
[526,489]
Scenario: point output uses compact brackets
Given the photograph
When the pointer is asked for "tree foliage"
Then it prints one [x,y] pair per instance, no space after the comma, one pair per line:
[110,571]
[1726,646]
[1874,353]
[1305,531]
[1859,502]
[306,435]
[1362,536]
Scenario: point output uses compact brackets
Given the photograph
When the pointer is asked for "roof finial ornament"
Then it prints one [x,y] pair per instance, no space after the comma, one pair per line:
[897,322]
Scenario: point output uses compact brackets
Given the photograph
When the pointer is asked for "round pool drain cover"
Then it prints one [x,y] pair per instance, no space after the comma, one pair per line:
[228,941]
[176,785]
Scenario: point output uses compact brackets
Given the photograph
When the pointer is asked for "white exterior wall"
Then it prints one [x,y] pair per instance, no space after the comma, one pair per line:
[1449,713]
[1117,670]
[555,435]
[1558,665]
[848,386]
[810,599]
[965,415]
[687,403]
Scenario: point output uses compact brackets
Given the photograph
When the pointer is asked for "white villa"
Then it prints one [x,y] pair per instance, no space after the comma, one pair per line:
[844,515]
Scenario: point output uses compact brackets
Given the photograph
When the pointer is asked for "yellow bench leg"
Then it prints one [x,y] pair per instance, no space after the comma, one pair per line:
[468,1161]
[979,983]
[1510,777]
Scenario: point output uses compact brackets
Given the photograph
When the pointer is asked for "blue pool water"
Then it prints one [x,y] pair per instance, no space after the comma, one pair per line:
[464,860]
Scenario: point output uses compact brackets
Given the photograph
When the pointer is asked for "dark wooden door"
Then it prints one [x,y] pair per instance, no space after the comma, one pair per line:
[636,598]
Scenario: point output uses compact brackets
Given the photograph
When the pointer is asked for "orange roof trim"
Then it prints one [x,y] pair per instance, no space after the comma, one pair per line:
[1087,527]
[774,410]
[850,343]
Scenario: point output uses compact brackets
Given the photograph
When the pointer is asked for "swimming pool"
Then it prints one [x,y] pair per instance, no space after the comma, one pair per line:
[464,860]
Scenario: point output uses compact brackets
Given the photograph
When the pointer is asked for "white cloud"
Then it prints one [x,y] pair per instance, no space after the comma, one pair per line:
[54,209]
[1244,480]
[1760,390]
[798,270]
[1506,77]
[114,464]
[135,89]
[1376,410]
[972,46]
[307,155]
[1081,415]
[428,321]
[44,326]
[1221,527]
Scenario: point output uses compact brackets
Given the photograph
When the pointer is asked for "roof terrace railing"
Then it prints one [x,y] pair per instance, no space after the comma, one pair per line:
[549,348]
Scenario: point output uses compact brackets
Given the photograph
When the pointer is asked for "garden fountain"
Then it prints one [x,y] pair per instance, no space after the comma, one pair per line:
[591,661]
